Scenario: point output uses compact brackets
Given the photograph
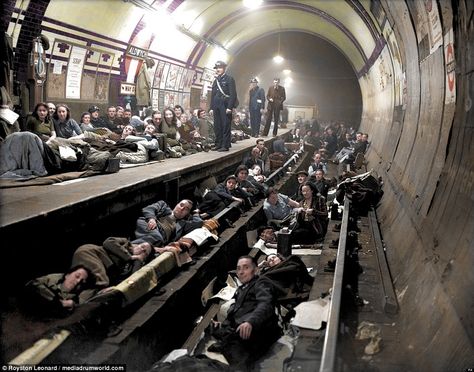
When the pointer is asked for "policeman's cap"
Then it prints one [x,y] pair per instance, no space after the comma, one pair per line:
[93,109]
[220,64]
[254,80]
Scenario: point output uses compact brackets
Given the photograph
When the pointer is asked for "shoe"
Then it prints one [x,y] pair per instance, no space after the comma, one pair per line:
[337,227]
[222,149]
[216,347]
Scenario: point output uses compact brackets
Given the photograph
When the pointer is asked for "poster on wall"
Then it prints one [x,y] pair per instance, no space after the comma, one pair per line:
[161,100]
[155,94]
[450,95]
[101,90]
[436,31]
[181,78]
[169,99]
[55,85]
[158,74]
[208,75]
[188,80]
[88,86]
[164,75]
[74,72]
[172,77]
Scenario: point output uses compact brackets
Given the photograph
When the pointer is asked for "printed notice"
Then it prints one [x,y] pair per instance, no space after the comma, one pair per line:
[57,67]
[74,72]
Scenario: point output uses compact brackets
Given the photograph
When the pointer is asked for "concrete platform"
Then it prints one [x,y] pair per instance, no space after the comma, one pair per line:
[45,224]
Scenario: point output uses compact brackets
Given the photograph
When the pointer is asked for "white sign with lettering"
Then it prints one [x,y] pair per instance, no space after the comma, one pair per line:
[74,72]
[127,89]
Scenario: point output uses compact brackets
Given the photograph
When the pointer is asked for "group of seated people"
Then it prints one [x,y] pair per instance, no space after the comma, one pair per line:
[54,142]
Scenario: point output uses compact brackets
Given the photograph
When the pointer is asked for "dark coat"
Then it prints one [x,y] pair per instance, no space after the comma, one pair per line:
[254,304]
[227,84]
[256,99]
[278,94]
[157,236]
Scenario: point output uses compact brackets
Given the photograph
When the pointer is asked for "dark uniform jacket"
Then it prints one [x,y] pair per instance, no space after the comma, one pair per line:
[227,84]
[257,98]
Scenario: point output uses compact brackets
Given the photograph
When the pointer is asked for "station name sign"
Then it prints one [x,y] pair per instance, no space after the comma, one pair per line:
[127,89]
[137,52]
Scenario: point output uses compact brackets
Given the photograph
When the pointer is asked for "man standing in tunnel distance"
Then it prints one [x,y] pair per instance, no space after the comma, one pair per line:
[223,101]
[256,106]
[276,95]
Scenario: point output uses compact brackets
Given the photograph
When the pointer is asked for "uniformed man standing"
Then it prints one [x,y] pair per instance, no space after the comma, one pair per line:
[223,101]
[256,106]
[276,95]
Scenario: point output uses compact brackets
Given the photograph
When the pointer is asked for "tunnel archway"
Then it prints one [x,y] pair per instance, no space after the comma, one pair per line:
[314,73]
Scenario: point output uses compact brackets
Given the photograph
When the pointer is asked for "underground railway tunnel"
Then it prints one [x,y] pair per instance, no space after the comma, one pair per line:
[398,70]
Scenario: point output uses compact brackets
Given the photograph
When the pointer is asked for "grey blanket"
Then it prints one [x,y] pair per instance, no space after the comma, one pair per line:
[21,155]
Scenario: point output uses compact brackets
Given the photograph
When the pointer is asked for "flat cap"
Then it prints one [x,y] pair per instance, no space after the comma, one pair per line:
[93,109]
[254,80]
[302,172]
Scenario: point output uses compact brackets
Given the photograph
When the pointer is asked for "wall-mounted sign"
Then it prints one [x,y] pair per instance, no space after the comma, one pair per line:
[137,52]
[74,72]
[208,75]
[127,89]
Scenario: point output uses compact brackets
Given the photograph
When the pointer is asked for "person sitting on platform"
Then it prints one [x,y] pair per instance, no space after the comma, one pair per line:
[160,225]
[317,164]
[249,184]
[86,122]
[330,140]
[223,194]
[321,183]
[278,208]
[40,123]
[169,127]
[264,154]
[255,159]
[64,125]
[312,218]
[96,121]
[251,325]
[279,146]
[57,294]
[146,141]
[301,177]
[110,120]
[257,174]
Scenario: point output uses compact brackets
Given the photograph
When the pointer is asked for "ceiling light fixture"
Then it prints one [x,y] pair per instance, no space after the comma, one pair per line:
[278,58]
[252,4]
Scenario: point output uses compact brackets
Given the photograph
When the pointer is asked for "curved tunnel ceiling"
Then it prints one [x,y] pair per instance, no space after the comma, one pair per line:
[342,23]
[206,25]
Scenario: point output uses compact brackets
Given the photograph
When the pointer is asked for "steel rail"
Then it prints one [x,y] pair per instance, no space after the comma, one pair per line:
[328,358]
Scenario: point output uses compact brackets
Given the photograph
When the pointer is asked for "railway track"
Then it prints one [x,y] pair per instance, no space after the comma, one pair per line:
[154,311]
